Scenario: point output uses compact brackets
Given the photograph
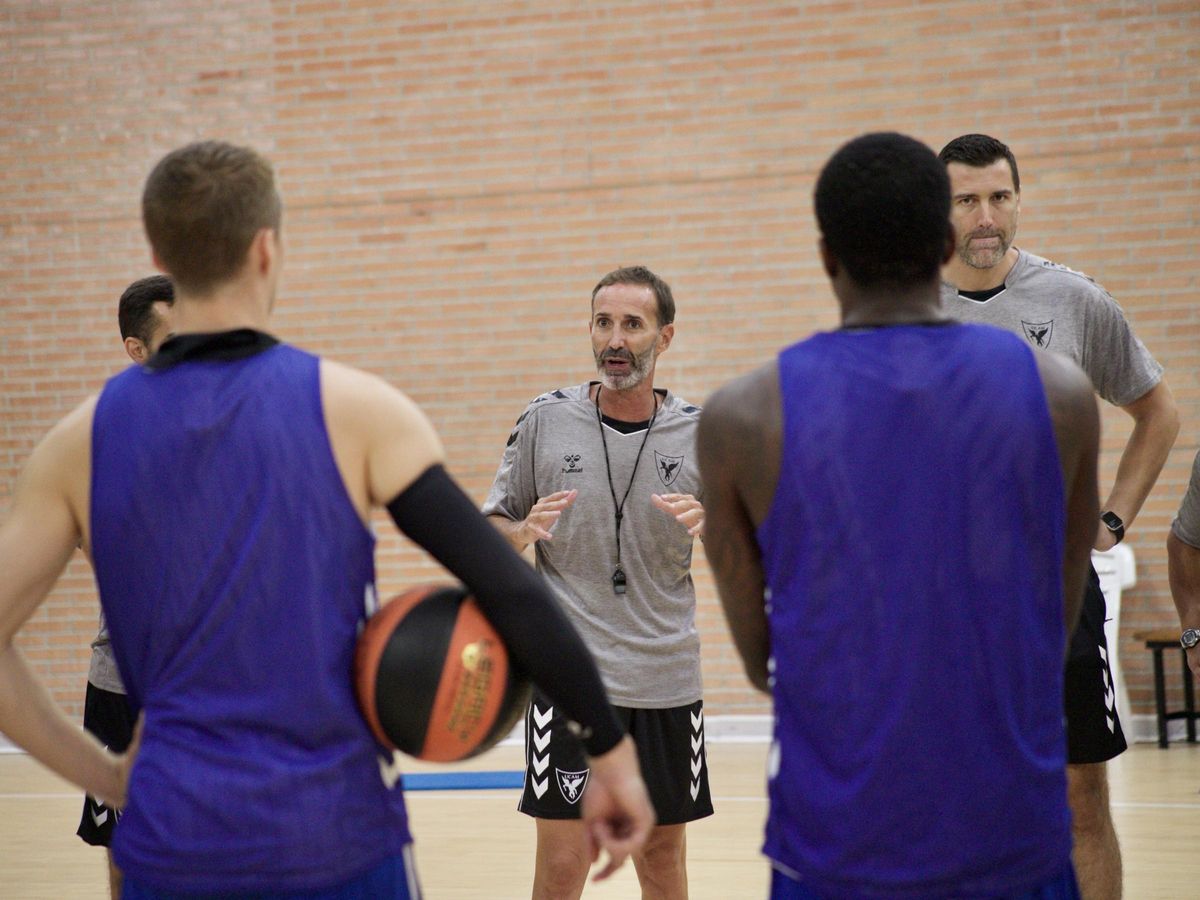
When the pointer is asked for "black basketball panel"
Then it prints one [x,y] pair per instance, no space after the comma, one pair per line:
[411,666]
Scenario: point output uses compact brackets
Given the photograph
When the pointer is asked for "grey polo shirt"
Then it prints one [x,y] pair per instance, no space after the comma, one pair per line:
[1064,311]
[645,640]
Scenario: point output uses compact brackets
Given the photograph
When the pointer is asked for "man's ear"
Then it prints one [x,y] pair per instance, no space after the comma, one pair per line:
[828,261]
[265,250]
[665,335]
[137,351]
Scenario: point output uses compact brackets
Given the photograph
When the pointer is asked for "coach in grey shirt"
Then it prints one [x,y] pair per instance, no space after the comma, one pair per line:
[602,479]
[1054,308]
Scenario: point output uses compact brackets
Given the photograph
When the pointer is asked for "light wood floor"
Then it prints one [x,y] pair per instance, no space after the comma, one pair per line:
[473,845]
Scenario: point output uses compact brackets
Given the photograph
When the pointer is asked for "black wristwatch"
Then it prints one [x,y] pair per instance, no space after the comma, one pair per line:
[1114,524]
[1190,638]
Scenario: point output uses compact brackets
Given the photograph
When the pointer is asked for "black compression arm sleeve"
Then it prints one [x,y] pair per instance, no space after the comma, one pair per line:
[438,515]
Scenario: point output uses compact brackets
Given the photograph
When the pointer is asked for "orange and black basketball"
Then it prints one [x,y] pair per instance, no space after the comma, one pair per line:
[434,679]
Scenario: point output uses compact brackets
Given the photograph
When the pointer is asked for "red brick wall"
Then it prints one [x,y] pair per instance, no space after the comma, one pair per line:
[457,176]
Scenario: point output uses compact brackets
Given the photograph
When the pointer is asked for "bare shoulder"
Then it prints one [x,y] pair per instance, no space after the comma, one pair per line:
[360,391]
[65,452]
[740,440]
[1062,378]
[368,397]
[748,401]
[59,470]
[381,438]
[1071,400]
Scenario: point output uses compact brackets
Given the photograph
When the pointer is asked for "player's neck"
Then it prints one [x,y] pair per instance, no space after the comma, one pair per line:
[635,404]
[918,305]
[228,308]
[968,278]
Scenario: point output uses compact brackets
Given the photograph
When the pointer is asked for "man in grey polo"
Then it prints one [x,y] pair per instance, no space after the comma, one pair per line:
[602,479]
[992,281]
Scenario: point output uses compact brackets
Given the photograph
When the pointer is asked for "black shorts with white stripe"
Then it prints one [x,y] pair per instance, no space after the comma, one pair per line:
[1093,727]
[106,715]
[671,752]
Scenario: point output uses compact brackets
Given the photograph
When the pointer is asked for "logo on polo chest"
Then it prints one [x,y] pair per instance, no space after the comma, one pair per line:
[571,464]
[1038,333]
[668,467]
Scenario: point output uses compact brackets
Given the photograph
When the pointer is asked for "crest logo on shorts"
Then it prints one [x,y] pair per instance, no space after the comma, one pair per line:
[571,784]
[668,467]
[1038,333]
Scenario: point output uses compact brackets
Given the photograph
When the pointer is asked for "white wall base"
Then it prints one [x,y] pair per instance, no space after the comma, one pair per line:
[717,730]
[757,729]
[1145,730]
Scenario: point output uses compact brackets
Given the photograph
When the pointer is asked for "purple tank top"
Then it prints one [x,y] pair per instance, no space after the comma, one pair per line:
[233,570]
[913,554]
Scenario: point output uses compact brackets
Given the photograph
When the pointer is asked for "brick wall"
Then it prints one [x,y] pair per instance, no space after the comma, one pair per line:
[458,175]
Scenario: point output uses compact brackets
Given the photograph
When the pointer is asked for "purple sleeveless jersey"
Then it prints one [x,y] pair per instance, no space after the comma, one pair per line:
[233,568]
[913,555]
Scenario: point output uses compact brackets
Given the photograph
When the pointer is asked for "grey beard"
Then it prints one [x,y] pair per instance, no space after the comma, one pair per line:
[638,368]
[622,382]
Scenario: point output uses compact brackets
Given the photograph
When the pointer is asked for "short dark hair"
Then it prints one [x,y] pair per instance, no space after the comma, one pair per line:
[883,207]
[664,301]
[202,206]
[135,311]
[980,150]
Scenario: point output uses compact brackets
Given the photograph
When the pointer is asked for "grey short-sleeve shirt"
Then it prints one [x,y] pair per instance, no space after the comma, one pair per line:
[102,671]
[1186,526]
[1064,311]
[645,640]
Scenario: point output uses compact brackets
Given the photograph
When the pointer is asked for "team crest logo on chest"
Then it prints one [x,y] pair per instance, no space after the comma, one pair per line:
[1038,333]
[571,464]
[571,784]
[668,467]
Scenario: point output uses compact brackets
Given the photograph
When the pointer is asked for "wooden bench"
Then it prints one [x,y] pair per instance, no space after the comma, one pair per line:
[1156,642]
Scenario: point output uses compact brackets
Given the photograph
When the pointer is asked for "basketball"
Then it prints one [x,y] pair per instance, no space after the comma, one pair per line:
[434,679]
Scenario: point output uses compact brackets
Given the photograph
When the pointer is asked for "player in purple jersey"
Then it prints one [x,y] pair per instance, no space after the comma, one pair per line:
[252,773]
[913,648]
[144,318]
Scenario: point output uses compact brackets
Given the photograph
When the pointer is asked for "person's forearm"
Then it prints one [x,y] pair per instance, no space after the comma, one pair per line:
[510,530]
[740,585]
[32,721]
[1183,572]
[1156,424]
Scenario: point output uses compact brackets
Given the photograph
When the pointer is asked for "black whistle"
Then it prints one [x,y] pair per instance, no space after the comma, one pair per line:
[618,582]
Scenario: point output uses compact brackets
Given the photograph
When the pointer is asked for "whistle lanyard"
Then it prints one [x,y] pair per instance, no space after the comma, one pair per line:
[618,577]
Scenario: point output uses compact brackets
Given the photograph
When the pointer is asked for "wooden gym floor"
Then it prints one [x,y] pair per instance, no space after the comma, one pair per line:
[473,845]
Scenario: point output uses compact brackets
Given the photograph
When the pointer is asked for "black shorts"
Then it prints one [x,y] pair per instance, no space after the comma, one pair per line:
[1094,732]
[671,752]
[108,717]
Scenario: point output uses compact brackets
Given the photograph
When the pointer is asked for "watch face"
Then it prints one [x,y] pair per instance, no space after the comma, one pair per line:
[1190,638]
